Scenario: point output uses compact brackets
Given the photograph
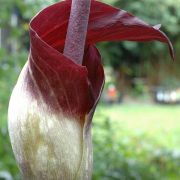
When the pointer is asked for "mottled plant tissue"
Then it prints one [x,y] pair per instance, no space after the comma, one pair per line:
[53,102]
[77,30]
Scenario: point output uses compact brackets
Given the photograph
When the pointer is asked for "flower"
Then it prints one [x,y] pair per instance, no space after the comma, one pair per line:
[53,102]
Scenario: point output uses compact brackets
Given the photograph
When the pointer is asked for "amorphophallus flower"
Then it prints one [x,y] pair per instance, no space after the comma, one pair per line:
[53,102]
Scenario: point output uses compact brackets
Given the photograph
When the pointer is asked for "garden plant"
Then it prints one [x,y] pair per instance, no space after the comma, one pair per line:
[52,105]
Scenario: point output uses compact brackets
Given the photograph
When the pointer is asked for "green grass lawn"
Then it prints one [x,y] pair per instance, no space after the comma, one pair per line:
[137,141]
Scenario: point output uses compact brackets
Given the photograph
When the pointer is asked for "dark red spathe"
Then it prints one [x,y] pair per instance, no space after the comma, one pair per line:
[63,84]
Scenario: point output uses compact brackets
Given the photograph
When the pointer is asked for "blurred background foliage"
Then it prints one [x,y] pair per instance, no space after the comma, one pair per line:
[131,140]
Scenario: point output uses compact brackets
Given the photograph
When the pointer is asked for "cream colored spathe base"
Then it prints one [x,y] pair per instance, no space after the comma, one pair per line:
[46,145]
